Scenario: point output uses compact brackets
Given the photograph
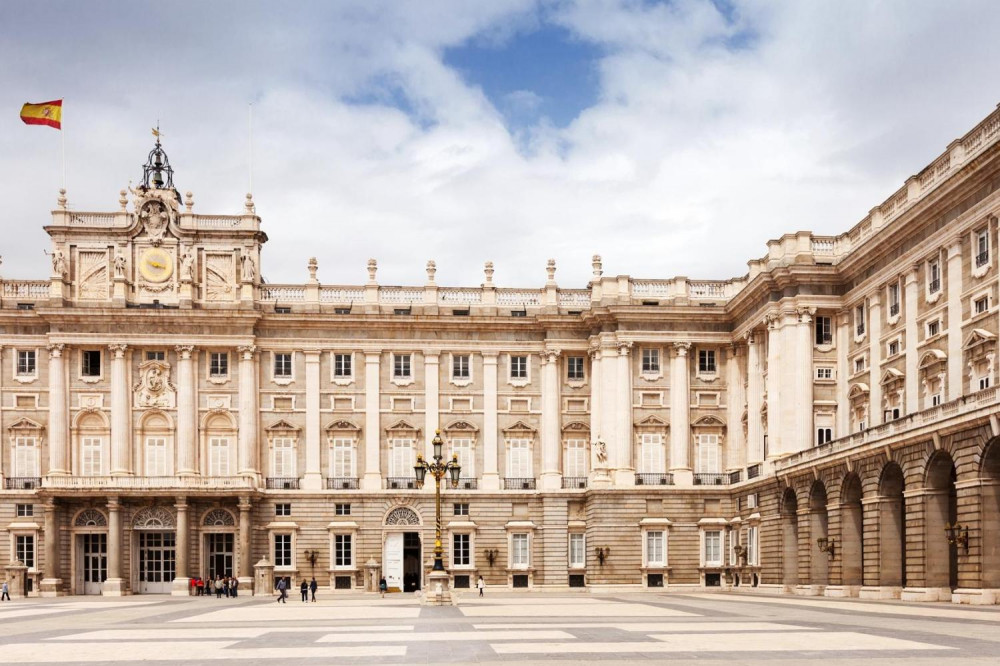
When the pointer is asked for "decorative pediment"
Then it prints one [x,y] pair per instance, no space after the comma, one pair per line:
[577,426]
[652,421]
[858,390]
[932,357]
[403,425]
[460,426]
[891,375]
[709,421]
[26,426]
[343,424]
[520,426]
[977,337]
[282,426]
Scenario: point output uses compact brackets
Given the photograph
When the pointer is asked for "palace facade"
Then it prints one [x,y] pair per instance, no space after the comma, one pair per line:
[825,424]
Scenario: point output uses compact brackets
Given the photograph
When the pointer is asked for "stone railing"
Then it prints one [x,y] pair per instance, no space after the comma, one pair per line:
[217,221]
[707,290]
[908,424]
[519,297]
[574,298]
[145,482]
[98,220]
[400,295]
[282,293]
[24,289]
[341,294]
[452,295]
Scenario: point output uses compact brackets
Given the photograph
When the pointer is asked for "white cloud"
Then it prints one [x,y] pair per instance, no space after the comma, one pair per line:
[694,156]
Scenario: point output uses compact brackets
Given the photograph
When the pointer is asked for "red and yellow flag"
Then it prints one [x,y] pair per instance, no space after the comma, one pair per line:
[45,113]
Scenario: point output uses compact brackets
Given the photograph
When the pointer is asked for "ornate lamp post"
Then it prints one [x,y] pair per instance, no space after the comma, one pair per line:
[437,469]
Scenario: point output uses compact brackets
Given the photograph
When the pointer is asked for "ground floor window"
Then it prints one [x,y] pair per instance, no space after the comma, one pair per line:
[519,553]
[460,553]
[577,551]
[343,557]
[282,550]
[24,549]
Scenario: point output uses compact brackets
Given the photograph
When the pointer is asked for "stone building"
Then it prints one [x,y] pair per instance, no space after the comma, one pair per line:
[825,424]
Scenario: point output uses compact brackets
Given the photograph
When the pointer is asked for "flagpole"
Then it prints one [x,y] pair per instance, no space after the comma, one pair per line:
[250,142]
[62,140]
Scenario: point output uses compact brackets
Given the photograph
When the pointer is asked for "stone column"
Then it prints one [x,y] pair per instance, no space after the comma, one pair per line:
[491,478]
[551,470]
[680,415]
[313,478]
[373,475]
[954,277]
[187,410]
[181,580]
[910,305]
[248,412]
[609,403]
[432,403]
[875,355]
[843,372]
[245,567]
[52,583]
[755,399]
[736,453]
[805,436]
[58,440]
[114,586]
[773,445]
[598,442]
[120,408]
[624,469]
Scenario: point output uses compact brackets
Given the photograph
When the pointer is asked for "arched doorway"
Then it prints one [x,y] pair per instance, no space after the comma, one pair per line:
[402,550]
[892,528]
[790,538]
[940,509]
[155,545]
[991,515]
[218,529]
[90,552]
[851,532]
[819,521]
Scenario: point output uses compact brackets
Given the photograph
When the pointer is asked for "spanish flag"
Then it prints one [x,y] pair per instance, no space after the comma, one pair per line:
[46,113]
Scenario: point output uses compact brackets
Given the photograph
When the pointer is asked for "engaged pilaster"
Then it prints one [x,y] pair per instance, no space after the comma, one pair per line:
[491,478]
[52,583]
[248,411]
[179,588]
[114,585]
[373,474]
[551,471]
[680,415]
[58,440]
[755,399]
[186,412]
[120,408]
[313,478]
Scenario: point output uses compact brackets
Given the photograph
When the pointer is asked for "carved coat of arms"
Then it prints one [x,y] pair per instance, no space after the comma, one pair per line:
[154,388]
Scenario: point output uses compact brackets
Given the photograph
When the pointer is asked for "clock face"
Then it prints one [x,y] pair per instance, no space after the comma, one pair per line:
[156,265]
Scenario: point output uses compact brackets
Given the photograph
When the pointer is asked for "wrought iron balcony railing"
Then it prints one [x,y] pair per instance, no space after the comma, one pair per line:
[341,483]
[574,482]
[401,483]
[512,483]
[710,479]
[654,479]
[281,483]
[22,482]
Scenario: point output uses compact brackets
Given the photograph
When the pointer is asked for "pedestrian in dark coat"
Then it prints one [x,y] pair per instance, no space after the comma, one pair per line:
[313,586]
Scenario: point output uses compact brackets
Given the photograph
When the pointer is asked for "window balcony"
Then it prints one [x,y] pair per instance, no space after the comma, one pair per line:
[860,329]
[401,483]
[982,259]
[281,483]
[654,479]
[512,483]
[710,479]
[753,471]
[22,482]
[893,309]
[341,483]
[736,476]
[467,483]
[934,286]
[574,482]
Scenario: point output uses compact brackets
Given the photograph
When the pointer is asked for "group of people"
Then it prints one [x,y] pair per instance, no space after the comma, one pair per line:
[222,585]
[305,588]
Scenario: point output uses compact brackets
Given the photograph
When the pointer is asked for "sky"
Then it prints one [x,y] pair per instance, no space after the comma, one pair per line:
[672,138]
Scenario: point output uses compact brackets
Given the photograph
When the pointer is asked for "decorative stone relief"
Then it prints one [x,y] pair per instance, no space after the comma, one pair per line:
[153,518]
[92,274]
[91,401]
[90,518]
[219,518]
[220,277]
[154,388]
[155,217]
[402,516]
[221,401]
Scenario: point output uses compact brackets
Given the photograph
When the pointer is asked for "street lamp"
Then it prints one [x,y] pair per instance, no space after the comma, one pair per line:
[437,469]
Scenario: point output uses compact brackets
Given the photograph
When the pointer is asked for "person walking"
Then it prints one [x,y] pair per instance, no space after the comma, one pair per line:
[481,584]
[282,588]
[313,586]
[382,586]
[218,587]
[234,586]
[304,589]
[207,586]
[4,592]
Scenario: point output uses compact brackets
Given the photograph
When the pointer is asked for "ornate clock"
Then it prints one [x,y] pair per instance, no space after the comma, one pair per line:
[156,265]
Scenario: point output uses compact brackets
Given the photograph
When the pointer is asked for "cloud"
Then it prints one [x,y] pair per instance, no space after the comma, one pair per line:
[714,130]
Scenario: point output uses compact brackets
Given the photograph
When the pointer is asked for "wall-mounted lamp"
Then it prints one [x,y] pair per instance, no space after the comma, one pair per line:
[312,556]
[741,552]
[827,546]
[491,555]
[602,554]
[957,535]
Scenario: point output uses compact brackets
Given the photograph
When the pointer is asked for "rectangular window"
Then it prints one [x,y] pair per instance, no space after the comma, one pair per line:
[752,550]
[824,373]
[824,330]
[893,348]
[984,383]
[463,449]
[894,299]
[283,463]
[519,459]
[933,328]
[650,360]
[283,509]
[91,363]
[706,361]
[342,366]
[218,364]
[575,461]
[518,367]
[460,544]
[460,508]
[859,364]
[709,454]
[26,457]
[24,549]
[935,400]
[401,458]
[713,548]
[282,550]
[26,363]
[91,454]
[733,538]
[981,305]
[891,414]
[982,248]
[343,555]
[823,435]
[342,509]
[577,551]
[934,276]
[156,456]
[25,510]
[156,356]
[282,365]
[218,456]
[651,454]
[859,319]
[655,552]
[574,368]
[519,553]
[401,366]
[342,458]
[460,366]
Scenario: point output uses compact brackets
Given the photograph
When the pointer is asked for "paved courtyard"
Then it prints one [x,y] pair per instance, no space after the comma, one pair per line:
[503,627]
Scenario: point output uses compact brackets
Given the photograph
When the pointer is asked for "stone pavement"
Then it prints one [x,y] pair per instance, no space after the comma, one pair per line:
[501,628]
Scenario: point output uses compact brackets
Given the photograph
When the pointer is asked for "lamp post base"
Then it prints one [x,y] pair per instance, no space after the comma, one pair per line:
[438,592]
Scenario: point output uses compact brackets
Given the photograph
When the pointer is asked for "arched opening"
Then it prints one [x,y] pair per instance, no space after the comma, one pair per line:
[941,509]
[790,537]
[892,527]
[819,521]
[991,515]
[851,531]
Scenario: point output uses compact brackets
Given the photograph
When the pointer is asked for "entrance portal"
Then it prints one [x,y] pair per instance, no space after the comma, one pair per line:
[94,561]
[157,562]
[219,550]
[411,562]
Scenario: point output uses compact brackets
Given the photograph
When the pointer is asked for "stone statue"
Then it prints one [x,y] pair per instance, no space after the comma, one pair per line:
[119,265]
[249,270]
[602,451]
[187,265]
[58,263]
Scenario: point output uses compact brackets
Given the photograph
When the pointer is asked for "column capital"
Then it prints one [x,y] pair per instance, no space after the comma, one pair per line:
[372,357]
[55,350]
[118,349]
[805,314]
[954,248]
[625,347]
[737,347]
[490,357]
[431,355]
[247,351]
[312,355]
[50,504]
[551,355]
[184,352]
[244,504]
[181,503]
[114,504]
[681,349]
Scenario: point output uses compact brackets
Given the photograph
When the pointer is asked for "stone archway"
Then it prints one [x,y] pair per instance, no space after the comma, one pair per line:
[851,532]
[940,509]
[790,538]
[892,528]
[819,521]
